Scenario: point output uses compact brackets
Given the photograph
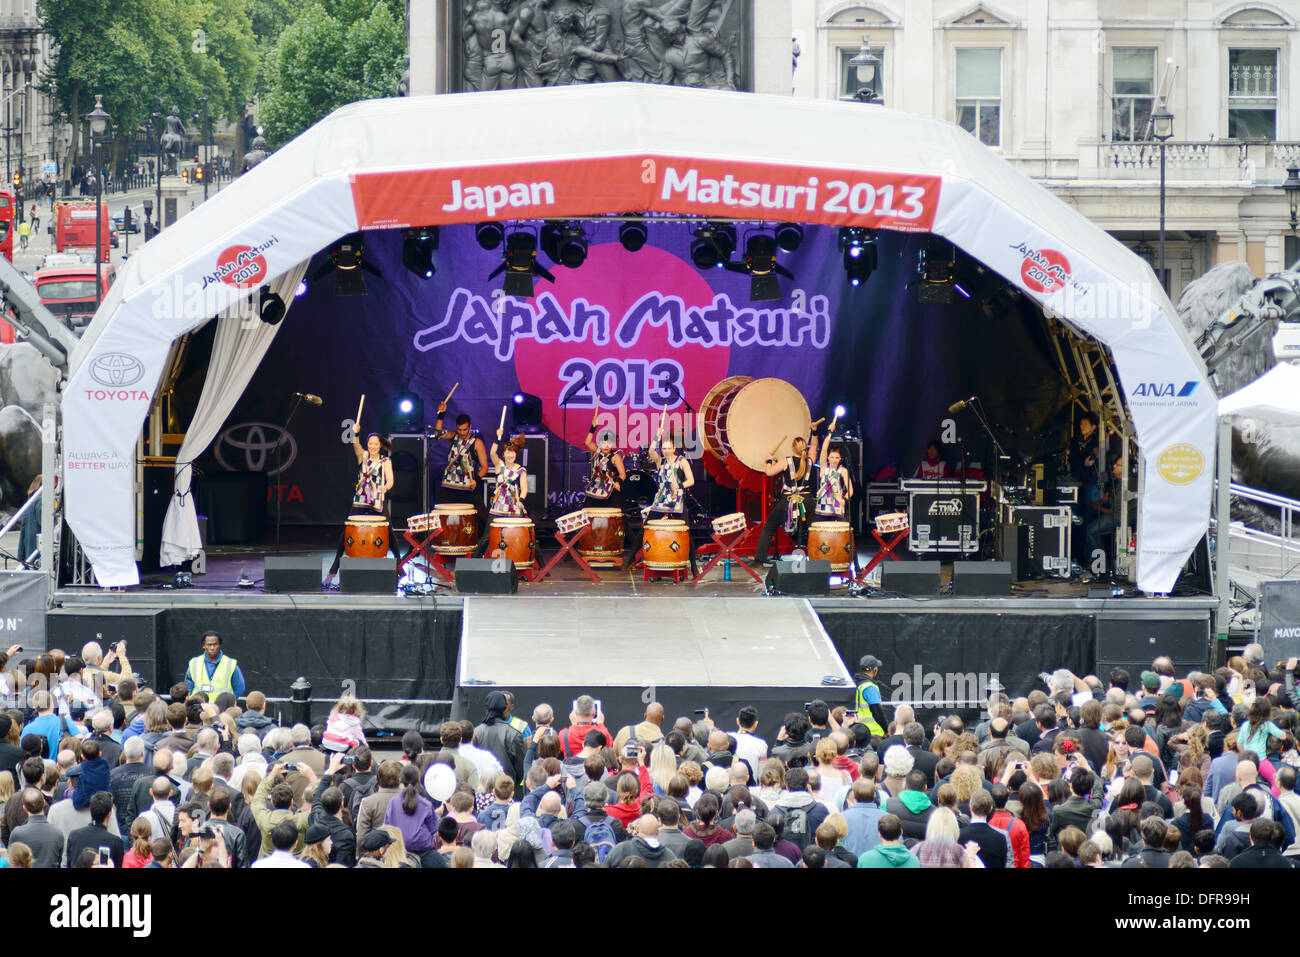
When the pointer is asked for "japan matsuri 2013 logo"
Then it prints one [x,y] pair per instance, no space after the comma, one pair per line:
[242,266]
[1045,270]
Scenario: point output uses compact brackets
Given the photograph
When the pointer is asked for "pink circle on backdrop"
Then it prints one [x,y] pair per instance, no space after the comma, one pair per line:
[615,279]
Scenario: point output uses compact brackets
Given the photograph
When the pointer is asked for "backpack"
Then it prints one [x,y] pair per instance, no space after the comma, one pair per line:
[359,793]
[600,836]
[796,826]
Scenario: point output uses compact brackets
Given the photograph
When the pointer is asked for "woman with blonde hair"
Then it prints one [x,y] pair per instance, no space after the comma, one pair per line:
[316,845]
[663,766]
[20,855]
[771,781]
[694,776]
[6,786]
[940,847]
[942,742]
[965,780]
[395,855]
[343,730]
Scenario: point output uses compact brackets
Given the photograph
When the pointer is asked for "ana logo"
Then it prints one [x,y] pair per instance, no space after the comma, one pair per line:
[116,369]
[241,266]
[1180,464]
[257,441]
[1164,390]
[1043,270]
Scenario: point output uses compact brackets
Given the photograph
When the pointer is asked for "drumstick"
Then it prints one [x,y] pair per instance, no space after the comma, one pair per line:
[503,418]
[360,405]
[817,423]
[662,417]
[450,394]
[776,448]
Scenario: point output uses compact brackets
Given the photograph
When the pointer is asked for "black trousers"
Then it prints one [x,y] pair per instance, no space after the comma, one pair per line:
[775,519]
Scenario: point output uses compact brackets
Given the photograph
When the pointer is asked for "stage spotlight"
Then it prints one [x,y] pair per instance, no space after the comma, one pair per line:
[760,263]
[572,246]
[713,245]
[409,415]
[489,235]
[789,236]
[935,266]
[632,234]
[301,290]
[270,307]
[417,251]
[347,258]
[841,412]
[520,265]
[859,248]
[526,412]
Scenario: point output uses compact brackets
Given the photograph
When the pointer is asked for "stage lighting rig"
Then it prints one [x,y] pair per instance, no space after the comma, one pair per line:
[761,265]
[520,265]
[347,261]
[417,251]
[633,234]
[936,267]
[789,236]
[526,412]
[858,246]
[489,235]
[408,415]
[713,245]
[270,307]
[572,245]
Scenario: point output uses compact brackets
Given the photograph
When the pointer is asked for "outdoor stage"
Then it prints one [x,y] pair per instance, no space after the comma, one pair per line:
[420,658]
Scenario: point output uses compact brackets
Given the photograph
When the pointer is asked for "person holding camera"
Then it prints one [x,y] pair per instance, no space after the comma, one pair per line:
[277,787]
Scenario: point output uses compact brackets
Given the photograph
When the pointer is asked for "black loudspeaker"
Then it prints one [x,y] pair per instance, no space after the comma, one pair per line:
[71,629]
[368,576]
[410,492]
[1132,643]
[981,578]
[910,578]
[480,576]
[292,573]
[814,580]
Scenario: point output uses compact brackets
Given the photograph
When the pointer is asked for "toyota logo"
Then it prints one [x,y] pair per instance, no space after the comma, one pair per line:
[116,369]
[257,441]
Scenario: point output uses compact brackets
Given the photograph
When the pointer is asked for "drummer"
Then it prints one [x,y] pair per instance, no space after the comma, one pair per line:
[674,475]
[512,485]
[607,475]
[370,496]
[834,487]
[791,505]
[467,463]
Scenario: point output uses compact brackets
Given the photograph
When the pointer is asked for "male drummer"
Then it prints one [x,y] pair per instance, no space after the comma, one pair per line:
[467,462]
[932,467]
[793,503]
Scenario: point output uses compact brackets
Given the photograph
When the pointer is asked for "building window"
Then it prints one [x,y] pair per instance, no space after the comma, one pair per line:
[1252,94]
[1133,88]
[849,84]
[979,94]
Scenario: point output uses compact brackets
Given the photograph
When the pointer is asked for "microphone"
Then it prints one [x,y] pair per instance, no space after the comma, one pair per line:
[308,398]
[958,406]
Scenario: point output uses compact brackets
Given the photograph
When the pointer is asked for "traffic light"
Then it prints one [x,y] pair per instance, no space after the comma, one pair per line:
[18,180]
[126,220]
[198,174]
[185,175]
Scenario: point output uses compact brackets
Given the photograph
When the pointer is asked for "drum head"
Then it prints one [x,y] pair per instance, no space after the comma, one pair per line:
[455,509]
[503,521]
[762,412]
[709,410]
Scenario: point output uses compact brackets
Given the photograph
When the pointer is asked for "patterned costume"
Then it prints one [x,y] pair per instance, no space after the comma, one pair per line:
[509,497]
[832,492]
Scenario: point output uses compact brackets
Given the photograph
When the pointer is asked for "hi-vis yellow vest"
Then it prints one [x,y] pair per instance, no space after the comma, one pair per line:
[220,680]
[864,712]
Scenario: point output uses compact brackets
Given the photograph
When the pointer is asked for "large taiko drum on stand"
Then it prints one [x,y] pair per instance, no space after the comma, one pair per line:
[459,529]
[832,542]
[747,418]
[667,544]
[516,538]
[602,540]
[367,537]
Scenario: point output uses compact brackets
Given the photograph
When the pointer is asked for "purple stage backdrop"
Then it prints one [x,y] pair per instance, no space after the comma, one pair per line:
[632,333]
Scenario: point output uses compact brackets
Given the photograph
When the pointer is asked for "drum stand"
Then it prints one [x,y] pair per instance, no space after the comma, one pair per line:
[568,546]
[727,549]
[432,565]
[886,549]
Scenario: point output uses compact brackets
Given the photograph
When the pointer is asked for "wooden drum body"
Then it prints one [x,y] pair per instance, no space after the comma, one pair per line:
[367,537]
[667,545]
[459,529]
[833,542]
[516,538]
[746,418]
[602,540]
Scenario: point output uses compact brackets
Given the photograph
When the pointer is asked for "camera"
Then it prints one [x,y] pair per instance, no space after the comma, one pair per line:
[208,831]
[105,856]
[631,750]
[291,766]
[702,712]
[349,759]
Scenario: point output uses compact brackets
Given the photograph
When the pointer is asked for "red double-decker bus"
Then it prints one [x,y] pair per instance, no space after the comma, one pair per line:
[6,246]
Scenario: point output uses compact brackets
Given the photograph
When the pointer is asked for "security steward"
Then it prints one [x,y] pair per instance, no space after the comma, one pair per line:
[214,671]
[870,707]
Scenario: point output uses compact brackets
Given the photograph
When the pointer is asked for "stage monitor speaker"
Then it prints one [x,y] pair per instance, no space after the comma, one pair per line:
[484,576]
[814,580]
[1131,642]
[981,579]
[368,576]
[911,578]
[285,573]
[410,492]
[139,628]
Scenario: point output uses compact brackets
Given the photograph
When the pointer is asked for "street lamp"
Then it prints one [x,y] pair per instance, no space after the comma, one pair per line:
[22,134]
[866,65]
[203,142]
[98,119]
[1162,128]
[1292,187]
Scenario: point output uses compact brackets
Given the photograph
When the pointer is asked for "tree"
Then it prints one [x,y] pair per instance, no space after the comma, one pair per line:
[334,53]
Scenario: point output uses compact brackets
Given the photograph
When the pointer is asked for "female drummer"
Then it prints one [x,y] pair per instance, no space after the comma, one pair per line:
[673,473]
[834,487]
[607,475]
[512,485]
[466,462]
[370,496]
[790,506]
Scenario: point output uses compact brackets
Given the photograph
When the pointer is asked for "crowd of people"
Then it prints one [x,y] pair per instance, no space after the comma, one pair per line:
[1155,770]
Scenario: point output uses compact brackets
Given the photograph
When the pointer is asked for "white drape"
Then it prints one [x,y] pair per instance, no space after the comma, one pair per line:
[241,341]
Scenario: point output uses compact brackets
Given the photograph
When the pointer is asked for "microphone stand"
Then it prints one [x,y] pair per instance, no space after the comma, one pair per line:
[279,492]
[690,496]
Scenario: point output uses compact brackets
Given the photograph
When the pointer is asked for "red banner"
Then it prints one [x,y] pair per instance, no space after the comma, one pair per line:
[723,189]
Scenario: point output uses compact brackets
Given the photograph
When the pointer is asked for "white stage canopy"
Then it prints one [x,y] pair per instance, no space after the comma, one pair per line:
[591,150]
[1275,393]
